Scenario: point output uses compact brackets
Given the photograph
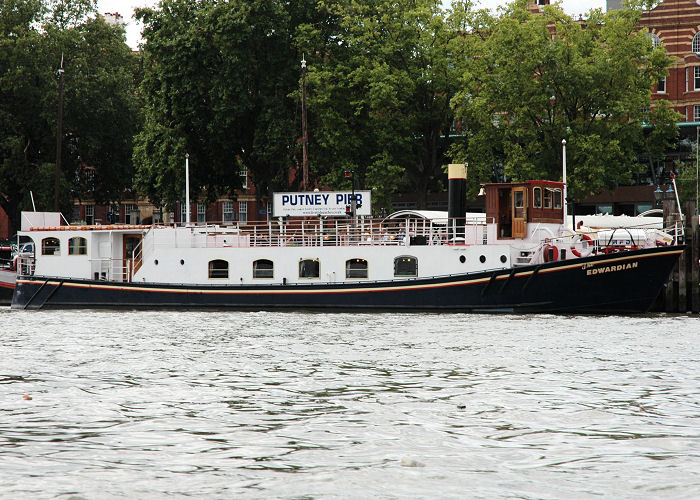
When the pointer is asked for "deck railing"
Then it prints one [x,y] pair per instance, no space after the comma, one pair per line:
[319,232]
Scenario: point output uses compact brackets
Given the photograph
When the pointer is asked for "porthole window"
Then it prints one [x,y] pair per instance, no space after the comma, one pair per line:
[356,268]
[482,259]
[504,259]
[77,246]
[218,269]
[182,262]
[462,259]
[405,265]
[309,268]
[155,262]
[50,246]
[263,269]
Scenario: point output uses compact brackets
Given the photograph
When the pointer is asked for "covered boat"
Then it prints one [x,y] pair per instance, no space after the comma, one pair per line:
[519,257]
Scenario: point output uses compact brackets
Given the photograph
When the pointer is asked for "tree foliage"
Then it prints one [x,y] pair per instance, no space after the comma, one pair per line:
[536,79]
[99,116]
[217,78]
[381,81]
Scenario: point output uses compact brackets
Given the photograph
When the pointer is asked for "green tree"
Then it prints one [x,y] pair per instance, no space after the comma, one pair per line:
[100,112]
[536,79]
[381,80]
[216,85]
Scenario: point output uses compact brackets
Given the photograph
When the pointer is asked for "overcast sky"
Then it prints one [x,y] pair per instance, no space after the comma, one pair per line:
[133,30]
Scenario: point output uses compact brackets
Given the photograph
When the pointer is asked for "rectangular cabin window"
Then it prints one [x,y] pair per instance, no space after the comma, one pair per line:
[547,198]
[537,197]
[557,198]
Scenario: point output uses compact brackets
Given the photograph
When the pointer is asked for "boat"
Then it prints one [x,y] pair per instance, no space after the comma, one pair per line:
[519,257]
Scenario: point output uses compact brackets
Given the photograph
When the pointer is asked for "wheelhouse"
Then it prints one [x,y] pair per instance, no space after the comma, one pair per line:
[514,205]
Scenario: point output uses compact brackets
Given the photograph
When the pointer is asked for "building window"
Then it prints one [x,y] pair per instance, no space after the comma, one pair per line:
[405,266]
[201,213]
[696,113]
[537,197]
[89,214]
[227,208]
[696,43]
[183,212]
[243,172]
[661,86]
[309,268]
[50,246]
[263,268]
[655,40]
[218,269]
[356,268]
[696,79]
[77,246]
[75,213]
[243,212]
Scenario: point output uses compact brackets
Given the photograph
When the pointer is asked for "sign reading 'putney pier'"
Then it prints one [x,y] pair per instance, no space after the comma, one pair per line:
[320,203]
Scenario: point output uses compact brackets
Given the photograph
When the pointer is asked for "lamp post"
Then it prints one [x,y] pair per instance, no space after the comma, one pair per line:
[59,137]
[187,189]
[304,131]
[563,161]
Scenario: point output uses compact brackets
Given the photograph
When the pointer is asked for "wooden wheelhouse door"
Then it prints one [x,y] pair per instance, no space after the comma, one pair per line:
[519,212]
[130,242]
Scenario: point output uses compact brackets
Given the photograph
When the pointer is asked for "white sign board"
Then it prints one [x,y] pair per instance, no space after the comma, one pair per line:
[319,203]
[40,219]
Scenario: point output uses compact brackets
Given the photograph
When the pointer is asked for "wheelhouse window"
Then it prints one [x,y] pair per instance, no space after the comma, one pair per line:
[309,268]
[50,246]
[556,193]
[263,269]
[547,198]
[356,268]
[405,265]
[218,269]
[77,246]
[537,197]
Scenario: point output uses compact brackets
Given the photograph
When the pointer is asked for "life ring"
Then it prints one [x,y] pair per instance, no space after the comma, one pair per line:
[586,247]
[555,253]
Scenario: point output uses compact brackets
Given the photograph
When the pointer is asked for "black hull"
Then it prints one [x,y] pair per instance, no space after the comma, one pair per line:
[625,282]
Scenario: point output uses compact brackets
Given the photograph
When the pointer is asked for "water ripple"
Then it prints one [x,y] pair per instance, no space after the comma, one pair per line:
[261,405]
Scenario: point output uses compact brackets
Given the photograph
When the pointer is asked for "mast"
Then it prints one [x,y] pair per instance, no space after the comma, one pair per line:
[59,137]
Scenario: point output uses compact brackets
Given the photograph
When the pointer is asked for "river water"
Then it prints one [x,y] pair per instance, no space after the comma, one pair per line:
[307,405]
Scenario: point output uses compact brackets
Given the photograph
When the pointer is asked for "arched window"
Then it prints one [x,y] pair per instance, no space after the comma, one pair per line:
[405,265]
[655,40]
[50,246]
[356,268]
[218,269]
[77,246]
[537,197]
[309,268]
[263,268]
[696,43]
